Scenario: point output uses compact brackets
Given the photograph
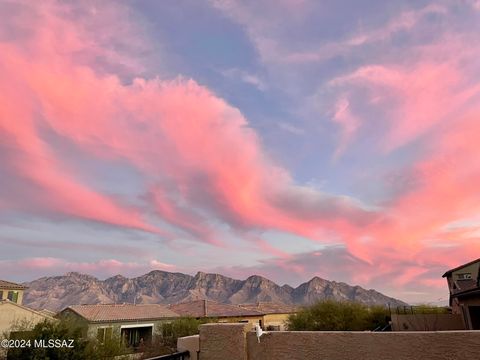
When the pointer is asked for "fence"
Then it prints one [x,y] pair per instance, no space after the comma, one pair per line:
[427,322]
[419,309]
[184,355]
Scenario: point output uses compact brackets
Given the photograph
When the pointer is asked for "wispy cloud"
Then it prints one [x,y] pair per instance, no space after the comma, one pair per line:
[74,91]
[246,77]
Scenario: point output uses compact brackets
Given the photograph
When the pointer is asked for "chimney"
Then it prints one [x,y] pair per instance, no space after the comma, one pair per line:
[205,309]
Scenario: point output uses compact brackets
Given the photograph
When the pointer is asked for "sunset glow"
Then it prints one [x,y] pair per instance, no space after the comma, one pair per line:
[288,139]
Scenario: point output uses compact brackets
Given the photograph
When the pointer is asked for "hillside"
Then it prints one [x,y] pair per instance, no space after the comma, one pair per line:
[56,293]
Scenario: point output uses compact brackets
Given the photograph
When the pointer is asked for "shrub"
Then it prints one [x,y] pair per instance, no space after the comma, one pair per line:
[185,326]
[338,316]
[83,347]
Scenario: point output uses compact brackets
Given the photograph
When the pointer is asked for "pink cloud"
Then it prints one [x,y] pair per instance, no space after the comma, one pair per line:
[409,94]
[185,141]
[348,123]
[204,167]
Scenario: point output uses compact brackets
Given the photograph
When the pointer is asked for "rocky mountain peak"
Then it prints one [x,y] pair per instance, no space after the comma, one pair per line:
[78,276]
[163,287]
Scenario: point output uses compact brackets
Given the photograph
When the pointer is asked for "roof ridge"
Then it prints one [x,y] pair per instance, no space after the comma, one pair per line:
[460,266]
[6,301]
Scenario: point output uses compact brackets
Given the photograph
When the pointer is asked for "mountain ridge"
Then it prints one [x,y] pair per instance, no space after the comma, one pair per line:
[163,287]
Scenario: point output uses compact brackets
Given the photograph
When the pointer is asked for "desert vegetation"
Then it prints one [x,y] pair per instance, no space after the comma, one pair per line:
[338,316]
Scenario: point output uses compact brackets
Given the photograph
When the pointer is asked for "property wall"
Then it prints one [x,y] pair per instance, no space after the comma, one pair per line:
[190,343]
[427,322]
[223,341]
[231,341]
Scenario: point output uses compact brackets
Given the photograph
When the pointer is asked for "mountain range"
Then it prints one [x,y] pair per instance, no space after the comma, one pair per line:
[57,292]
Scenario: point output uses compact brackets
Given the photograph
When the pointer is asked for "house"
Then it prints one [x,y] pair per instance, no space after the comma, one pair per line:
[274,315]
[133,323]
[11,291]
[215,310]
[14,316]
[464,286]
[12,313]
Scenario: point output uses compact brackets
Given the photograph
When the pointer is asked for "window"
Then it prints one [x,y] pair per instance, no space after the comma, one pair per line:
[137,336]
[1,295]
[464,276]
[104,334]
[13,296]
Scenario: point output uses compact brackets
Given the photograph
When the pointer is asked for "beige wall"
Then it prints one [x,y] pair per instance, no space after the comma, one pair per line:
[233,342]
[11,314]
[223,341]
[275,320]
[427,322]
[190,343]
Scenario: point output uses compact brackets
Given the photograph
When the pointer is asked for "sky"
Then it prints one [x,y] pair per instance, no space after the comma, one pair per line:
[286,138]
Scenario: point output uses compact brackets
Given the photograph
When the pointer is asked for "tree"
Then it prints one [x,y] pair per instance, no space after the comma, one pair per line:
[66,333]
[338,316]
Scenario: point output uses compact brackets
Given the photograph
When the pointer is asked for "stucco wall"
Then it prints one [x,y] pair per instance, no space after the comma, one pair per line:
[364,345]
[190,343]
[233,342]
[11,314]
[275,320]
[223,341]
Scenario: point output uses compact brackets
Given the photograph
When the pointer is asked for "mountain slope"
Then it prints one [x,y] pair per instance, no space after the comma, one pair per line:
[56,293]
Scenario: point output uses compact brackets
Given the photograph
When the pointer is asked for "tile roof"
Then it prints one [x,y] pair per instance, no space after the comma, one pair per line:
[122,312]
[208,308]
[10,285]
[271,308]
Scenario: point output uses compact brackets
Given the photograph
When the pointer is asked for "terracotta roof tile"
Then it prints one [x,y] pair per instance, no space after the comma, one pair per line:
[208,308]
[119,312]
[10,285]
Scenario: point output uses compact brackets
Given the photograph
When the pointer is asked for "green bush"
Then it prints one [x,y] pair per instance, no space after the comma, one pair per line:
[338,316]
[185,326]
[83,347]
